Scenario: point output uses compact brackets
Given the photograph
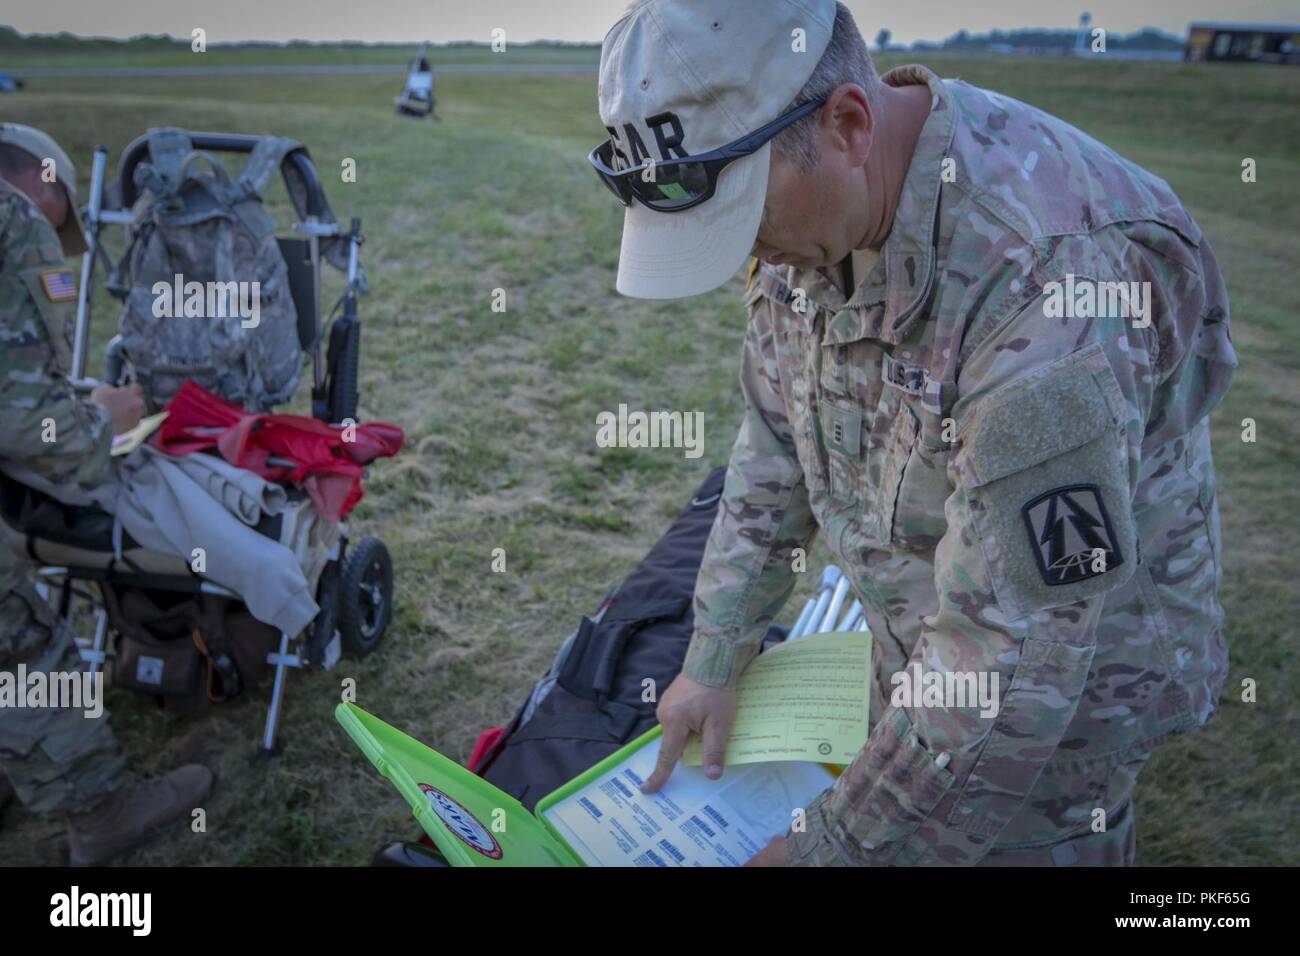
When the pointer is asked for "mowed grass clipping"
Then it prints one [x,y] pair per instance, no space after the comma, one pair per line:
[500,414]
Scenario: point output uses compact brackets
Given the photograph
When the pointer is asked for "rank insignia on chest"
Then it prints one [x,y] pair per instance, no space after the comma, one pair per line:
[59,285]
[842,429]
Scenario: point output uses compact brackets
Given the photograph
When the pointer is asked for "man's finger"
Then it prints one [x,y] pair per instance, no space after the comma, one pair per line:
[715,746]
[775,853]
[671,746]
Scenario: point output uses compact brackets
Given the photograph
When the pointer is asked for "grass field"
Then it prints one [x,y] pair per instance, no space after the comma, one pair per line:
[500,411]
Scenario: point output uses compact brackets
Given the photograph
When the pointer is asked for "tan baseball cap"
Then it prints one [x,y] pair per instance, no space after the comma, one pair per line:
[42,147]
[682,77]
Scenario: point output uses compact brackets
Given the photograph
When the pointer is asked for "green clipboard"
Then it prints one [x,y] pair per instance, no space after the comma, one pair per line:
[470,821]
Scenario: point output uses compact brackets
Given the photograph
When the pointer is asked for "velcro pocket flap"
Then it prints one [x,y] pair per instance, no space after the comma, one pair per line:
[1077,396]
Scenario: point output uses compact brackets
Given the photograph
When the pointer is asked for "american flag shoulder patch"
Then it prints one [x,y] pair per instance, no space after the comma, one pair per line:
[58,285]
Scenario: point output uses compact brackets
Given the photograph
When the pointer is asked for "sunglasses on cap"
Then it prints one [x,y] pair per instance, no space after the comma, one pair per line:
[678,184]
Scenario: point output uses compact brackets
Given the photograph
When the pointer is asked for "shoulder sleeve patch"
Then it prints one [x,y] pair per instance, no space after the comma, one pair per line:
[1044,469]
[1071,534]
[51,311]
[58,284]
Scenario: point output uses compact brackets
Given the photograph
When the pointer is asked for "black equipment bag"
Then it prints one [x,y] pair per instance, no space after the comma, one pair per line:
[600,698]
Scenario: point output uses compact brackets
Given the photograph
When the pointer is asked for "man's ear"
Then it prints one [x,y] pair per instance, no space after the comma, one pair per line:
[848,122]
[61,206]
[52,198]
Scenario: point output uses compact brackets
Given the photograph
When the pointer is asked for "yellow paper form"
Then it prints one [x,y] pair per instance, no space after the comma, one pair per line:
[806,699]
[129,441]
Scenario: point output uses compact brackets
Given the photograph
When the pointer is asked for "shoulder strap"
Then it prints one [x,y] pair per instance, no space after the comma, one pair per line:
[264,162]
[592,664]
[171,158]
[169,148]
[267,158]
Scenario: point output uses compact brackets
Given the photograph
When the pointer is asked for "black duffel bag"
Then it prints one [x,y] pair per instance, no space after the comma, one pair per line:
[603,689]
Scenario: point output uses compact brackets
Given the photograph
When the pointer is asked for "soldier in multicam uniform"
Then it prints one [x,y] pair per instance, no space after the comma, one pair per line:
[58,760]
[1015,477]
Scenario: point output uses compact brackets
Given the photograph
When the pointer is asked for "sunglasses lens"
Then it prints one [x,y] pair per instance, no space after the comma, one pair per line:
[670,186]
[613,185]
[603,155]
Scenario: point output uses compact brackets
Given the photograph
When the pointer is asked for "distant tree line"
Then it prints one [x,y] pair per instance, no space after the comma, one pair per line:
[1063,40]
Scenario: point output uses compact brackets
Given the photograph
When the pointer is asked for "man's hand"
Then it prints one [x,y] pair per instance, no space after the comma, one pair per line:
[686,708]
[125,405]
[774,854]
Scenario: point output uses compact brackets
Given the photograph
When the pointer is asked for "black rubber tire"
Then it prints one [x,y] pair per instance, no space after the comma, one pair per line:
[365,597]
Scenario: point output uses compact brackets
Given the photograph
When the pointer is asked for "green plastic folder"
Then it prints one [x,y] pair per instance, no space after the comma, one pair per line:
[472,822]
[600,817]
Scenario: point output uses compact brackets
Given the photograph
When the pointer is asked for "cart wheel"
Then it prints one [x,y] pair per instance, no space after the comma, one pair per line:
[365,597]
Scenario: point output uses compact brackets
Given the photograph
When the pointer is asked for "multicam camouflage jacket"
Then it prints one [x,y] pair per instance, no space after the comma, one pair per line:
[47,428]
[1016,479]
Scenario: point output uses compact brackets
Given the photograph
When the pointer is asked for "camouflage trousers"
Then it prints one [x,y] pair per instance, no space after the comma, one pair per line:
[1107,786]
[1078,814]
[1055,825]
[57,758]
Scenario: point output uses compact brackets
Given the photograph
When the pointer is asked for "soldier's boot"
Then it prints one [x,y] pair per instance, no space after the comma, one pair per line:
[124,819]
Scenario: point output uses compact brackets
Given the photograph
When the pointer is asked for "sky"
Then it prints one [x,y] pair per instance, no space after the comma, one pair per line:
[523,20]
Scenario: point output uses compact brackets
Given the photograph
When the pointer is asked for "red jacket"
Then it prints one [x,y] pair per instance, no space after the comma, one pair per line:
[325,460]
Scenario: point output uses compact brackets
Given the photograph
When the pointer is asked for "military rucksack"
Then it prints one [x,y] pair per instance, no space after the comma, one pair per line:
[207,293]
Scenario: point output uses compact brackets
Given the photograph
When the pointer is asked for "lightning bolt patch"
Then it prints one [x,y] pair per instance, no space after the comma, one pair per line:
[1071,534]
